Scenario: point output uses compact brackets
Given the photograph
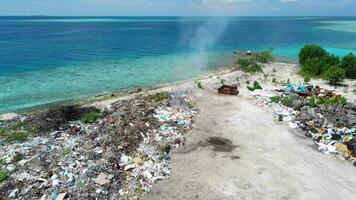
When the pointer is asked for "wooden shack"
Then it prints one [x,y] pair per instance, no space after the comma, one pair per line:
[227,89]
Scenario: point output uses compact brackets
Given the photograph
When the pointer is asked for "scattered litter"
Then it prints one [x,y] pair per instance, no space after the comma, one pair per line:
[117,156]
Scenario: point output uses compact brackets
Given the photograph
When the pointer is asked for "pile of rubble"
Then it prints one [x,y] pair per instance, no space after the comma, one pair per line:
[118,156]
[324,116]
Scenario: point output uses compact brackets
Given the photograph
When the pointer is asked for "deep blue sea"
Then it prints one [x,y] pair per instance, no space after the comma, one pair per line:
[45,60]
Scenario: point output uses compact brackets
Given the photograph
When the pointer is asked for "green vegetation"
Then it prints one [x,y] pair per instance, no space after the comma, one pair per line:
[336,100]
[249,65]
[334,75]
[17,136]
[165,148]
[66,151]
[158,97]
[90,117]
[314,101]
[307,78]
[2,162]
[287,101]
[348,63]
[256,86]
[199,85]
[309,52]
[20,125]
[18,157]
[264,56]
[274,80]
[3,176]
[275,99]
[317,63]
[3,130]
[192,104]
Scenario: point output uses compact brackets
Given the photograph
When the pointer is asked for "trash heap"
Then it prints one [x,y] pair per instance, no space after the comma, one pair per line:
[119,156]
[323,115]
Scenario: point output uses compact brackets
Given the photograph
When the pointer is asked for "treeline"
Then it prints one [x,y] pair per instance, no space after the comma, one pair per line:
[317,63]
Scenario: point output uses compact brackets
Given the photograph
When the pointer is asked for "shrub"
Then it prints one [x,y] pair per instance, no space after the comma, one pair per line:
[348,63]
[66,151]
[256,86]
[17,136]
[274,80]
[315,67]
[159,96]
[314,101]
[287,101]
[334,75]
[199,85]
[310,51]
[90,117]
[243,62]
[263,56]
[249,66]
[275,99]
[336,100]
[307,78]
[18,157]
[3,176]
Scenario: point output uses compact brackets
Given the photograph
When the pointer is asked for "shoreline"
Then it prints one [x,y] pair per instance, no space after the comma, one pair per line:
[144,142]
[107,96]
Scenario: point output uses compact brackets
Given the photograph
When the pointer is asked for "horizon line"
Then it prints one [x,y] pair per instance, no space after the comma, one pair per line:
[177,15]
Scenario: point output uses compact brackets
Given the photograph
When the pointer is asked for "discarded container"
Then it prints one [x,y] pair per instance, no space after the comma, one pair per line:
[227,89]
[280,117]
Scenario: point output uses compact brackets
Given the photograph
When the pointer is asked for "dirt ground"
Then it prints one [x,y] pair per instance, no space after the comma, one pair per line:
[238,151]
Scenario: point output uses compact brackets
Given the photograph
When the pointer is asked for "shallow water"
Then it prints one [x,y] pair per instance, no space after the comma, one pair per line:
[50,59]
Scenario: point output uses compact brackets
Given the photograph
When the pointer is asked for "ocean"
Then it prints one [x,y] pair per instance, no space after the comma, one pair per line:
[45,60]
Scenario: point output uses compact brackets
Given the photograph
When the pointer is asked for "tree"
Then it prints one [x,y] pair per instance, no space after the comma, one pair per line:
[315,67]
[335,75]
[310,51]
[348,63]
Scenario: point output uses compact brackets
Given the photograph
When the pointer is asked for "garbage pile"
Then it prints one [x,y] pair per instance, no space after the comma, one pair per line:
[118,156]
[324,116]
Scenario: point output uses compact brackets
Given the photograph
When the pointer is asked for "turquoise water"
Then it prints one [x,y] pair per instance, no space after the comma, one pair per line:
[46,60]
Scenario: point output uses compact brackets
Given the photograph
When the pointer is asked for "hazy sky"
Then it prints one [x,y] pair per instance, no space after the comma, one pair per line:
[178,7]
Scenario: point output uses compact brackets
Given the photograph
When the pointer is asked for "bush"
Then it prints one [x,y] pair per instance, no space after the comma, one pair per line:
[264,56]
[256,86]
[18,157]
[336,100]
[275,99]
[334,75]
[307,78]
[17,136]
[348,63]
[159,96]
[3,176]
[314,101]
[315,67]
[287,101]
[199,85]
[243,62]
[90,117]
[249,65]
[310,51]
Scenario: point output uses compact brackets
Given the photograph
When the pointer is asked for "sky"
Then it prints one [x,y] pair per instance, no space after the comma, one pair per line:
[179,7]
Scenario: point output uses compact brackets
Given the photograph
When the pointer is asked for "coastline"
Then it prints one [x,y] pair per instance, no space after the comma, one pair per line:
[145,142]
[116,95]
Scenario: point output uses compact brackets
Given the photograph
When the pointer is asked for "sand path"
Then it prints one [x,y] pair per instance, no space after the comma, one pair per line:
[266,160]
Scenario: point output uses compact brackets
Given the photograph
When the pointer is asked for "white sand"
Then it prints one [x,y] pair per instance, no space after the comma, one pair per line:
[275,162]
